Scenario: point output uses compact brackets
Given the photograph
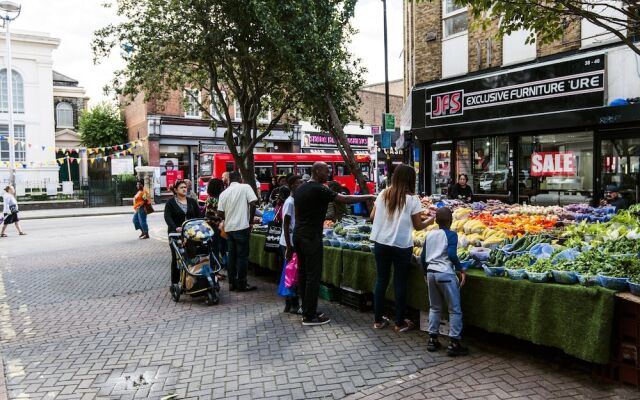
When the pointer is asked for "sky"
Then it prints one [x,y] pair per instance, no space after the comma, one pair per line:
[74,21]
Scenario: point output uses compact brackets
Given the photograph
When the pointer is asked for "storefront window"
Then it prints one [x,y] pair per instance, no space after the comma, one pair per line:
[174,164]
[441,168]
[556,169]
[464,160]
[491,174]
[621,167]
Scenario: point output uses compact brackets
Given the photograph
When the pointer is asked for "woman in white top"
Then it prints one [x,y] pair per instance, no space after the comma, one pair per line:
[396,213]
[10,210]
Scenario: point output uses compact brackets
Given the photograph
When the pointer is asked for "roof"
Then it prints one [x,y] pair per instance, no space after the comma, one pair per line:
[63,80]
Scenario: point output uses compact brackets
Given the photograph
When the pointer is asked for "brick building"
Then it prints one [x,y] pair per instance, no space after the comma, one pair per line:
[526,122]
[176,133]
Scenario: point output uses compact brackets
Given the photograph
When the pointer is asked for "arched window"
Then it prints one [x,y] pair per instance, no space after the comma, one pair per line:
[18,92]
[64,115]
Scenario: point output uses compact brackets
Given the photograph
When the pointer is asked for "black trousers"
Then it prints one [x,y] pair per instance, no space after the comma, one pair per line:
[310,253]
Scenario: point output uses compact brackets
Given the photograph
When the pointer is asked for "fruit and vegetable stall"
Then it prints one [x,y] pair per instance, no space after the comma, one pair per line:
[543,274]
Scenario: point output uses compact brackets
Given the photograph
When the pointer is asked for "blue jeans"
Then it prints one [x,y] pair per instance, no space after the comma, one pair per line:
[444,288]
[401,259]
[238,262]
[140,220]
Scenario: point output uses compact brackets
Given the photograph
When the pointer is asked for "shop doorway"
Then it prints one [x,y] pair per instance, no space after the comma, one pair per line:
[441,153]
[620,166]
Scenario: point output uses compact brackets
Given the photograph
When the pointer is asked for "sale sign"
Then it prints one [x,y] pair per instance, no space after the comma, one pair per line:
[553,163]
[173,176]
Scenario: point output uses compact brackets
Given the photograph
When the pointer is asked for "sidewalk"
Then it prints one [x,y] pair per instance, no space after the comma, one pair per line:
[81,212]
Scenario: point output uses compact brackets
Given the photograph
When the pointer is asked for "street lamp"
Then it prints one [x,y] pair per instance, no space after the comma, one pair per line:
[10,11]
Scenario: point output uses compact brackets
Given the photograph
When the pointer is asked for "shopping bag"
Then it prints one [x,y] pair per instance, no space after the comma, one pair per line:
[291,272]
[282,289]
[272,244]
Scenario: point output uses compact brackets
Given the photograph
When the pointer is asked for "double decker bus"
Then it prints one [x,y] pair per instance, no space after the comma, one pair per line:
[268,165]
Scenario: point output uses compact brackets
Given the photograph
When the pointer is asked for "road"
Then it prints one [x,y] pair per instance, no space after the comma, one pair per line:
[85,313]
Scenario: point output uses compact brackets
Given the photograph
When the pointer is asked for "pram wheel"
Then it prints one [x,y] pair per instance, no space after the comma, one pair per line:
[175,292]
[212,297]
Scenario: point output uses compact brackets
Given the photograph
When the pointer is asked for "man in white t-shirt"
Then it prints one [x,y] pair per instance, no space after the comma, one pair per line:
[237,206]
[286,238]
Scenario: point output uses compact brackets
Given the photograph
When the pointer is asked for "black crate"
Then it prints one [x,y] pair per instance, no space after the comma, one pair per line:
[356,299]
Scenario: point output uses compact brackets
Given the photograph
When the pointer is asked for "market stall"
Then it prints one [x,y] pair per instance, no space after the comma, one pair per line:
[547,275]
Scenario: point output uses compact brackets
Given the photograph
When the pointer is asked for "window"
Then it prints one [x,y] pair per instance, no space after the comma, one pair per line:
[621,167]
[557,169]
[192,107]
[342,169]
[216,112]
[283,169]
[18,92]
[64,115]
[454,18]
[237,111]
[19,146]
[264,172]
[490,165]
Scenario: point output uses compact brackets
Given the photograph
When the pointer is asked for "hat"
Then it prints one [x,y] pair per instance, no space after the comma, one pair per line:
[611,188]
[306,177]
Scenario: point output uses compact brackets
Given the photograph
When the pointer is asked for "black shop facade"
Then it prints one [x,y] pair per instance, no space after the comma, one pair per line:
[540,134]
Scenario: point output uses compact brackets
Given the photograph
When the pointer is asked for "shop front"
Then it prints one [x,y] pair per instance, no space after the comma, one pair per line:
[540,134]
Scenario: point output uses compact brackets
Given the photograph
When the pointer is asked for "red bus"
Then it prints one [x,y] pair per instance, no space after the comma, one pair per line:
[268,165]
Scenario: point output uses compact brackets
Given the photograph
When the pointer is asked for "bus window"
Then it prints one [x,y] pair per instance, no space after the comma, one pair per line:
[264,172]
[230,167]
[304,169]
[284,170]
[366,170]
[342,169]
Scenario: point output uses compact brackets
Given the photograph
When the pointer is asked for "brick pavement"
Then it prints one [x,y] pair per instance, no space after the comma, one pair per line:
[98,322]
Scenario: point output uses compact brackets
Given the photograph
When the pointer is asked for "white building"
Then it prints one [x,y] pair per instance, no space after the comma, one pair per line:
[33,109]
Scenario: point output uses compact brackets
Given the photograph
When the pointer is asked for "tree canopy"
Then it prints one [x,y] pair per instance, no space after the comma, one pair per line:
[283,56]
[102,126]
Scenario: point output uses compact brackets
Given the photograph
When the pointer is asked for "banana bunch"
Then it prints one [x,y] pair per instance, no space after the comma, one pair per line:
[458,225]
[465,240]
[492,236]
[474,226]
[461,213]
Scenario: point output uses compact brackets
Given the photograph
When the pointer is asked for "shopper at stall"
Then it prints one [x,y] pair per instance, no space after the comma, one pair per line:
[440,261]
[190,192]
[177,210]
[313,199]
[292,303]
[396,212]
[336,211]
[460,190]
[613,198]
[237,207]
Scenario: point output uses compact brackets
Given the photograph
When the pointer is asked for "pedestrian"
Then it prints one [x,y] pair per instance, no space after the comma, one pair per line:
[215,187]
[237,207]
[396,212]
[440,262]
[292,303]
[190,192]
[225,179]
[140,201]
[336,211]
[178,210]
[613,198]
[10,211]
[306,178]
[312,200]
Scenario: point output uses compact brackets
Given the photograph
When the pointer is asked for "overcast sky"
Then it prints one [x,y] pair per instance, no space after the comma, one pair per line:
[74,21]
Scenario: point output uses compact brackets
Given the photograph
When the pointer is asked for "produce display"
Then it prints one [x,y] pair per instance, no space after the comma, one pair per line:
[350,233]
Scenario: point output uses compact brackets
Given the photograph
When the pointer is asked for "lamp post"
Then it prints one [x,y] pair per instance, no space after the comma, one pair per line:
[386,62]
[11,11]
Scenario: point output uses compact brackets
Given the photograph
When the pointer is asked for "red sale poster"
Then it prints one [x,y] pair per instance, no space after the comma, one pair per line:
[173,176]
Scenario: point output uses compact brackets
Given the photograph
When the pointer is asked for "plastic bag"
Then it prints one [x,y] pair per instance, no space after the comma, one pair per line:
[291,272]
[480,253]
[541,250]
[268,216]
[282,289]
[568,254]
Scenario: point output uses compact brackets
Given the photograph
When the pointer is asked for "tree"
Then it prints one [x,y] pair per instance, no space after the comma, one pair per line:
[102,126]
[547,20]
[215,47]
[331,76]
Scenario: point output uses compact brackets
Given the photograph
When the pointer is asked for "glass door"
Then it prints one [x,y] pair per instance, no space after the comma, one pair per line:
[441,168]
[620,168]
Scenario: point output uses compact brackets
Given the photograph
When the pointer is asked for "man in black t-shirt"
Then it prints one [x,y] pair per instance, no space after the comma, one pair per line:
[311,202]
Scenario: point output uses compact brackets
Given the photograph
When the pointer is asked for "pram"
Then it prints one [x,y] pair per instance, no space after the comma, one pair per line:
[198,266]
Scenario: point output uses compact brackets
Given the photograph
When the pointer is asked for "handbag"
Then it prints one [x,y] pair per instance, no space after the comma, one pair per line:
[272,244]
[148,208]
[13,209]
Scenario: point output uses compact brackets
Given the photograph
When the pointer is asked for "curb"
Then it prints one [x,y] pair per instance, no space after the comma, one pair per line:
[74,215]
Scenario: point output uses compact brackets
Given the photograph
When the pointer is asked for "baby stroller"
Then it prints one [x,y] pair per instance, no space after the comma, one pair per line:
[196,262]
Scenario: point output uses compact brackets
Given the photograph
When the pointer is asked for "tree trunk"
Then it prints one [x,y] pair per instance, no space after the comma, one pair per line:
[243,159]
[345,148]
